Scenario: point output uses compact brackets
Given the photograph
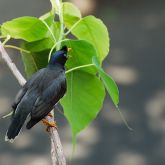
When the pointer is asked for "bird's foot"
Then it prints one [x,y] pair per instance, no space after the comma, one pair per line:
[49,114]
[49,124]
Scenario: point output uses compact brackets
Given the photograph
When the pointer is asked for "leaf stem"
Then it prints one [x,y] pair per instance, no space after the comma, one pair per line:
[60,12]
[50,53]
[2,37]
[79,67]
[53,36]
[124,120]
[6,40]
[53,6]
[72,27]
[17,48]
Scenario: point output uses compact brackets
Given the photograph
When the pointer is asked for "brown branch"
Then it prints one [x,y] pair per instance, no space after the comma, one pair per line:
[57,154]
[12,66]
[55,139]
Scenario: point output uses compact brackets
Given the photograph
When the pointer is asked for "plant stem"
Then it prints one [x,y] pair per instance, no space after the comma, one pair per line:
[57,5]
[50,53]
[124,120]
[60,12]
[79,67]
[6,40]
[17,48]
[53,6]
[72,27]
[53,36]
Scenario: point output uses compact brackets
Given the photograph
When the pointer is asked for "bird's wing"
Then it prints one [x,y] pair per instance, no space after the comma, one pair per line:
[36,77]
[49,97]
[32,82]
[19,97]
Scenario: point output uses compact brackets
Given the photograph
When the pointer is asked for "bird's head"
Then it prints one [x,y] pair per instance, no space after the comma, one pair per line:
[59,57]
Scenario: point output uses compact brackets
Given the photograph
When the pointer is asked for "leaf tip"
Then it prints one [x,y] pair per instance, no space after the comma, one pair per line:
[124,120]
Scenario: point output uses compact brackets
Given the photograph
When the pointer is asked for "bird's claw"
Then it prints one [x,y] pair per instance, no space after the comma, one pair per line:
[49,124]
[49,114]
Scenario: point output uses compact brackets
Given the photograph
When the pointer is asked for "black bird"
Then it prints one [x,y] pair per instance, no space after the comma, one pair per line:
[38,96]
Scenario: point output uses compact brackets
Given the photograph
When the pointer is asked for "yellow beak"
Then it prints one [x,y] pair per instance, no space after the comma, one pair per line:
[69,49]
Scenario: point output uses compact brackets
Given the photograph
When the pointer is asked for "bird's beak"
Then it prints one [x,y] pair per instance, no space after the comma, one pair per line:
[69,49]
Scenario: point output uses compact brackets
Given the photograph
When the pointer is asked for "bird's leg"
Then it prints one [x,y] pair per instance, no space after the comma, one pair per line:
[50,115]
[49,123]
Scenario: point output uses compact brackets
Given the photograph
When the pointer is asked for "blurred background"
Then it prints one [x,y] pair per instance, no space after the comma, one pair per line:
[136,62]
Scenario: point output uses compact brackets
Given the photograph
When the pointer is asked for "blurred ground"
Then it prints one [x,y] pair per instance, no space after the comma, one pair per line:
[136,62]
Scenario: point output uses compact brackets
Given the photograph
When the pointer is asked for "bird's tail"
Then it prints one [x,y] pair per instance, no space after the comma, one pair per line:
[15,127]
[31,123]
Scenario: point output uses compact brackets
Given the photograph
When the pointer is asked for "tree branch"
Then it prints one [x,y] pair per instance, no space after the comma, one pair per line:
[57,154]
[12,66]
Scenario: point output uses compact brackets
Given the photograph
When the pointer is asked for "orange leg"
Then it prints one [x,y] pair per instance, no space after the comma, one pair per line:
[49,114]
[49,124]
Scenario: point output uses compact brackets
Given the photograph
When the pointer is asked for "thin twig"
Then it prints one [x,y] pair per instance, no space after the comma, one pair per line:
[12,66]
[57,154]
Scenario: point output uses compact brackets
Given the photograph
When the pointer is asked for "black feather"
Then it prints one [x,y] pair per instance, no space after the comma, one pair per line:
[39,94]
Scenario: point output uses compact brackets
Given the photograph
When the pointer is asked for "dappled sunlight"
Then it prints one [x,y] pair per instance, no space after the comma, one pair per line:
[155,110]
[37,160]
[129,158]
[25,160]
[123,75]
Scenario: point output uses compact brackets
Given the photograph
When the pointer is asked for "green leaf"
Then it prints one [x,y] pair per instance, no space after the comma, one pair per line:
[71,14]
[48,18]
[0,30]
[109,83]
[94,31]
[26,28]
[55,27]
[29,64]
[34,61]
[40,45]
[80,103]
[81,54]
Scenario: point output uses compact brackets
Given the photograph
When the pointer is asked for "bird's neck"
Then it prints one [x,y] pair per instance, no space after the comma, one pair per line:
[56,66]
